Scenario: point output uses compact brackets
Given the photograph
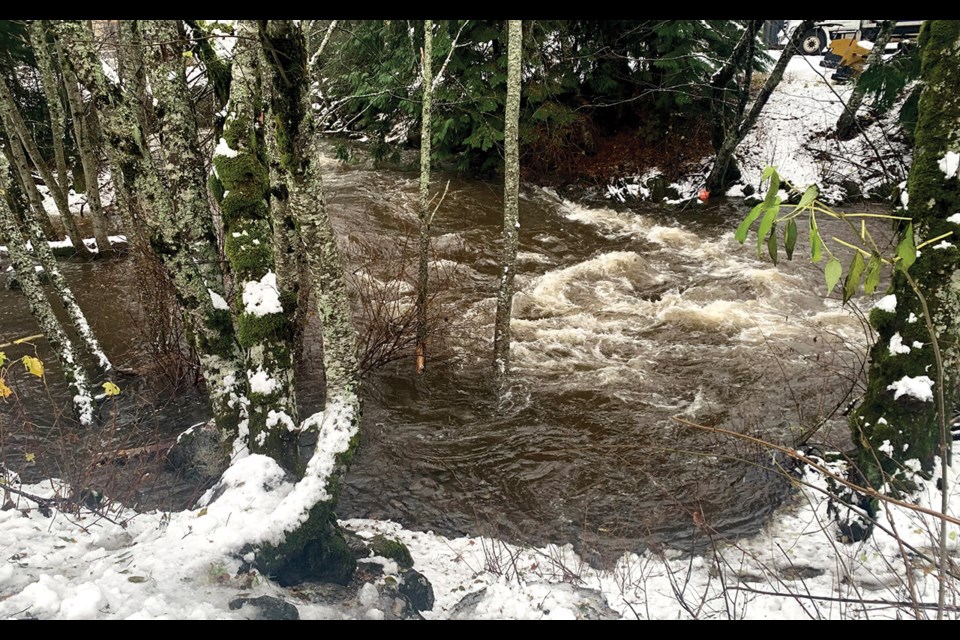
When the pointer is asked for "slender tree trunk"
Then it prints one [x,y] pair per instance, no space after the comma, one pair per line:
[16,128]
[41,249]
[426,133]
[511,200]
[51,88]
[718,180]
[15,156]
[89,158]
[909,424]
[83,404]
[720,102]
[847,127]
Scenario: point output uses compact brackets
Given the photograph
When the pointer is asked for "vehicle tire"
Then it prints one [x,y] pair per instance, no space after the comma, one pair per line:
[813,42]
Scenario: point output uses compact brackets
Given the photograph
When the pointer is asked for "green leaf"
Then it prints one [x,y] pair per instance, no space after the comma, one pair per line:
[790,238]
[772,244]
[832,273]
[744,228]
[816,244]
[906,250]
[873,274]
[852,282]
[772,190]
[769,217]
[767,172]
[808,196]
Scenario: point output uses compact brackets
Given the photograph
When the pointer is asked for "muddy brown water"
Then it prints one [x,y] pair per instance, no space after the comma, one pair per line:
[624,318]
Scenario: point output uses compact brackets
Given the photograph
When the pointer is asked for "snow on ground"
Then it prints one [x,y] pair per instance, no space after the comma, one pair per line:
[185,565]
[794,134]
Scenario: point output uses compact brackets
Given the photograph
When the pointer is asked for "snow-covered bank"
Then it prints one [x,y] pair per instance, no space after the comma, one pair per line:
[795,134]
[187,565]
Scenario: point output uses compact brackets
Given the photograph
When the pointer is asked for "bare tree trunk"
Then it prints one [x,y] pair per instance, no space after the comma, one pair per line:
[41,249]
[847,123]
[16,128]
[51,89]
[89,158]
[315,548]
[426,132]
[511,198]
[717,181]
[83,404]
[726,110]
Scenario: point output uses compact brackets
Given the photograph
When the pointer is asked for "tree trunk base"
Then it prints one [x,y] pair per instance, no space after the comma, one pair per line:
[316,552]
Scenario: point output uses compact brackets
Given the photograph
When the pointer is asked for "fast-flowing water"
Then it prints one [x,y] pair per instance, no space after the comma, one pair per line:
[623,319]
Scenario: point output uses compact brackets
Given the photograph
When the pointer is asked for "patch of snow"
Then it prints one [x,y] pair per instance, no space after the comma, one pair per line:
[261,297]
[920,387]
[223,149]
[218,301]
[261,382]
[887,303]
[949,164]
[896,345]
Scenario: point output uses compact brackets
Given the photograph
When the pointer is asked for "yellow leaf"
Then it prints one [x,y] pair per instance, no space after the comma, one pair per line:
[33,366]
[29,457]
[4,389]
[202,513]
[3,358]
[111,389]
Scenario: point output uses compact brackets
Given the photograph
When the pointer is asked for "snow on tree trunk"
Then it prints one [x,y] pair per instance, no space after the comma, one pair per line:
[847,123]
[426,132]
[186,246]
[313,548]
[898,421]
[48,261]
[73,372]
[264,329]
[718,180]
[511,193]
[17,158]
[15,127]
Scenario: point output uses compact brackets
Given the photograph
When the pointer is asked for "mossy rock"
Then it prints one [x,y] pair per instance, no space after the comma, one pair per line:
[392,549]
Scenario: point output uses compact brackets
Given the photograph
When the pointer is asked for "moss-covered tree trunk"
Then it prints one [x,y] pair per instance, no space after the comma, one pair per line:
[63,347]
[899,419]
[185,244]
[847,122]
[511,200]
[314,549]
[264,328]
[723,166]
[426,133]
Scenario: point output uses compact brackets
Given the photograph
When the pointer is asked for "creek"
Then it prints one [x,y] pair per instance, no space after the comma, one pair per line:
[624,318]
